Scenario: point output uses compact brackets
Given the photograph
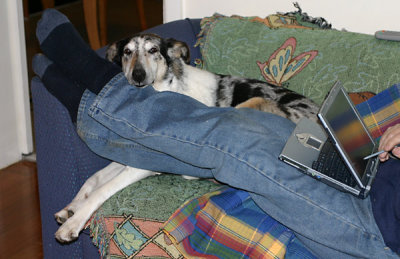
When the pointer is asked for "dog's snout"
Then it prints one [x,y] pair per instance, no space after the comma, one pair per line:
[139,75]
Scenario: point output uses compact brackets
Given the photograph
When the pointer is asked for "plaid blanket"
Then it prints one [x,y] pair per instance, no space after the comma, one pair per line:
[228,224]
[381,111]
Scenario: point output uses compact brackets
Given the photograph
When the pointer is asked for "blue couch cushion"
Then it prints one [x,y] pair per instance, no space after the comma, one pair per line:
[182,30]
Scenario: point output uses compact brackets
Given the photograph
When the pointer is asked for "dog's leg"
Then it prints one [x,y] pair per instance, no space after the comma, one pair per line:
[69,231]
[262,104]
[95,181]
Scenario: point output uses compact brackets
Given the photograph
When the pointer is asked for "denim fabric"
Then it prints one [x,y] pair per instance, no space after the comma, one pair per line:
[169,132]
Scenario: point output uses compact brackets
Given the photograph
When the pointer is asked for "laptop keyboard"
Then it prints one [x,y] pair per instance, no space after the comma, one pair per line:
[331,164]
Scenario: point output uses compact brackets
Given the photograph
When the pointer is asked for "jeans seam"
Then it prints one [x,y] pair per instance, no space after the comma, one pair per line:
[257,169]
[86,135]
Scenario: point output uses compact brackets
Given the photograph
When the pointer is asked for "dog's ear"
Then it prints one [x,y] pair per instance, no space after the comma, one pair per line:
[115,51]
[178,49]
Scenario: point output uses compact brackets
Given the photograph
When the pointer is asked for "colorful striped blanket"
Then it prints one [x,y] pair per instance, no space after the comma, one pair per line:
[228,224]
[381,111]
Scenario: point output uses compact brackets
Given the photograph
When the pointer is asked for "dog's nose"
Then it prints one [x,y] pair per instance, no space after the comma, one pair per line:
[139,75]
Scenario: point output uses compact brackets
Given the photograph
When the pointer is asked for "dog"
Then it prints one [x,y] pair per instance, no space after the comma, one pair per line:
[164,63]
[148,59]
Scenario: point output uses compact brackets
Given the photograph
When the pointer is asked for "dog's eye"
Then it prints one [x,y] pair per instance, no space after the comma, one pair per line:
[153,50]
[127,51]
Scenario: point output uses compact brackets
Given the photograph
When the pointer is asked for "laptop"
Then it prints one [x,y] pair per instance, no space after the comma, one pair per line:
[334,152]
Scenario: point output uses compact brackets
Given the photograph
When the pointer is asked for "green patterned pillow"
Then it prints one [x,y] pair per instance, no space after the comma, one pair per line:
[307,61]
[156,197]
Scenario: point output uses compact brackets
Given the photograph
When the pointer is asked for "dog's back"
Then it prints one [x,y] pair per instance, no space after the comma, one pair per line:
[236,91]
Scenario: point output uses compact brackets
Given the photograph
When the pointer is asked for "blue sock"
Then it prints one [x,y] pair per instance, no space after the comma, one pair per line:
[59,85]
[62,44]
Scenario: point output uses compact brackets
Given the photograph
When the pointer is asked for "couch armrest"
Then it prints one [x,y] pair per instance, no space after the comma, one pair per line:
[64,162]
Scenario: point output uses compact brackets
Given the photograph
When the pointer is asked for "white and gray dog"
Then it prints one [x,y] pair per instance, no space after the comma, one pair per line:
[147,59]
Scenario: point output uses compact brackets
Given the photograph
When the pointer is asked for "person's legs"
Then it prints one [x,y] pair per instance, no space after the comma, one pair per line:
[58,84]
[68,55]
[63,45]
[240,148]
[70,94]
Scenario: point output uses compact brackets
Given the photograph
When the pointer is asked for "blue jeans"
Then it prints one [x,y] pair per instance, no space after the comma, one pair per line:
[169,132]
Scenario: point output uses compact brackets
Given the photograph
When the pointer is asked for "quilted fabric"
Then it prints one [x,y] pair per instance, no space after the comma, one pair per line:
[233,45]
[129,224]
[228,224]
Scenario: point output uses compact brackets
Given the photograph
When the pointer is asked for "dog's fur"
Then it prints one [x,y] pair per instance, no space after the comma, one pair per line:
[150,60]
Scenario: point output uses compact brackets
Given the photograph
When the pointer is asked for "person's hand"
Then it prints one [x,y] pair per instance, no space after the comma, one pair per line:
[388,142]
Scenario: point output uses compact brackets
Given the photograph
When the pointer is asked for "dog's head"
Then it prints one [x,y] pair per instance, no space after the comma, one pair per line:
[147,58]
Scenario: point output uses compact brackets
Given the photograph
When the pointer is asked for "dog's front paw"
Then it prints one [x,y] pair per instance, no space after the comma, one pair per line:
[63,215]
[67,232]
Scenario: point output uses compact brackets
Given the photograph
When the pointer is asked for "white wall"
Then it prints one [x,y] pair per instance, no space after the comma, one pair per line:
[366,16]
[15,125]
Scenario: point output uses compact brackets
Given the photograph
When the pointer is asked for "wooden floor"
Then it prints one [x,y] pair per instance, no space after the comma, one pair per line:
[20,227]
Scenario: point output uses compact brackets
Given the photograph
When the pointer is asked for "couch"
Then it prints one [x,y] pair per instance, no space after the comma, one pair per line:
[360,61]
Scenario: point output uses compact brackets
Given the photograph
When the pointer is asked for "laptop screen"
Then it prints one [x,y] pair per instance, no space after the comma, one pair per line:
[349,131]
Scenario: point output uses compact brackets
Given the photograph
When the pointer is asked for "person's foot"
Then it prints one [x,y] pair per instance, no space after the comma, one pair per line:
[59,85]
[63,45]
